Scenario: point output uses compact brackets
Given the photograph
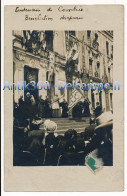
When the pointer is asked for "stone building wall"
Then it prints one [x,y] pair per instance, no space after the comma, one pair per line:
[55,60]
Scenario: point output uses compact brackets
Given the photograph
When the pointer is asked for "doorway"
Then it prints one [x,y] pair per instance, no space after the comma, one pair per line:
[31,74]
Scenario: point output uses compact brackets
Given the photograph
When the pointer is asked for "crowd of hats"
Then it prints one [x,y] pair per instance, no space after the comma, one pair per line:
[45,147]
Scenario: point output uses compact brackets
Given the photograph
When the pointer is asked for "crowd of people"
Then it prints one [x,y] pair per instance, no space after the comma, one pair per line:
[46,108]
[43,147]
[47,148]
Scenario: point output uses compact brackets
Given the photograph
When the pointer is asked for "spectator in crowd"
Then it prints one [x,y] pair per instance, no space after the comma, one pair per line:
[70,135]
[50,142]
[77,111]
[102,140]
[67,156]
[89,132]
[21,102]
[47,108]
[37,150]
[20,111]
[32,100]
[64,106]
[71,149]
[28,109]
[86,105]
[41,106]
[34,108]
[79,146]
[98,110]
[19,141]
[27,99]
[46,147]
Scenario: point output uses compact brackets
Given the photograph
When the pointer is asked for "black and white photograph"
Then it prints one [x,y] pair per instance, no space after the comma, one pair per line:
[63,98]
[63,88]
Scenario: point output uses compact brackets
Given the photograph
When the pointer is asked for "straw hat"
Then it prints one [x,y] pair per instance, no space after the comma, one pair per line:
[50,126]
[104,120]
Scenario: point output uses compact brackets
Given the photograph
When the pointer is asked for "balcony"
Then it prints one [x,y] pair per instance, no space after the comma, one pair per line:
[97,74]
[95,45]
[95,79]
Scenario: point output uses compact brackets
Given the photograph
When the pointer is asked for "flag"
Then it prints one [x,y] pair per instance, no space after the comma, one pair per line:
[72,53]
[43,39]
[75,98]
[24,37]
[28,35]
[42,36]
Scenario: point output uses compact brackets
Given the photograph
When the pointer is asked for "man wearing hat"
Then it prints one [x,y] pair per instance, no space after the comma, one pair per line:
[64,106]
[102,140]
[98,110]
[50,141]
[89,131]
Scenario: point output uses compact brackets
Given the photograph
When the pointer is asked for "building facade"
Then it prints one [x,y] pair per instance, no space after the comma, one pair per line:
[80,56]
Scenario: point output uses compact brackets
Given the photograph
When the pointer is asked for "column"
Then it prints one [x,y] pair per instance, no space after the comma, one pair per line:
[107,100]
[103,100]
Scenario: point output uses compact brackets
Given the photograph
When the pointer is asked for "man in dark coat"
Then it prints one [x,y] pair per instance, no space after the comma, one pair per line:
[28,109]
[77,111]
[98,110]
[86,107]
[64,106]
[102,141]
[21,102]
[79,146]
[89,131]
[47,108]
[37,150]
[68,156]
[50,143]
[51,154]
[41,107]
[72,149]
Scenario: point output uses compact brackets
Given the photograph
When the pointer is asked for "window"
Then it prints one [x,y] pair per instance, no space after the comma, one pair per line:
[100,98]
[95,42]
[111,103]
[112,51]
[72,33]
[96,36]
[93,100]
[88,34]
[47,74]
[107,48]
[90,67]
[49,40]
[88,37]
[98,68]
[109,74]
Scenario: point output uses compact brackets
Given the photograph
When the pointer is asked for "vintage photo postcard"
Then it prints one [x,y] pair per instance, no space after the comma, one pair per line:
[63,98]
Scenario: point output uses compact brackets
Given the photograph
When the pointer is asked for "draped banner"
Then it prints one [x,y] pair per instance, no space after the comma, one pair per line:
[75,98]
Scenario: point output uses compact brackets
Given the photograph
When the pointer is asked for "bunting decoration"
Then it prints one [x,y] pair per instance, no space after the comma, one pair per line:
[34,41]
[71,48]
